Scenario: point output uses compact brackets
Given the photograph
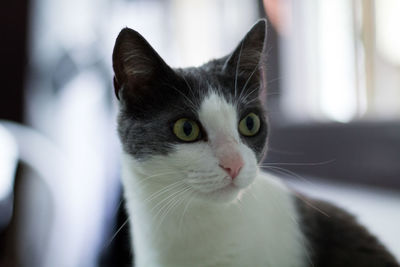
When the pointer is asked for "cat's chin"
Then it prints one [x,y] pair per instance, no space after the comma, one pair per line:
[226,194]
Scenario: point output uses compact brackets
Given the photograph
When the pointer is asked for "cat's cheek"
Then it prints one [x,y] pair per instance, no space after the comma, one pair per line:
[245,180]
[250,169]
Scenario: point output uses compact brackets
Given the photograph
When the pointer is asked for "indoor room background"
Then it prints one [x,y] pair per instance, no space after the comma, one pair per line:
[333,101]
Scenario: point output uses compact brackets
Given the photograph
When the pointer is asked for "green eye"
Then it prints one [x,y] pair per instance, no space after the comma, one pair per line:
[186,130]
[249,125]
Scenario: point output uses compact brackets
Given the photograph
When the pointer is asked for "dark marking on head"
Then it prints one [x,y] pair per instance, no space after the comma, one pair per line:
[153,96]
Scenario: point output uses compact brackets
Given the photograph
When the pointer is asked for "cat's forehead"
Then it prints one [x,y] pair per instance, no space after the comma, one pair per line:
[218,116]
[209,80]
[205,78]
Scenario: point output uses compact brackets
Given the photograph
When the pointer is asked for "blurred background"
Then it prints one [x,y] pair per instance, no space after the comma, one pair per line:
[333,100]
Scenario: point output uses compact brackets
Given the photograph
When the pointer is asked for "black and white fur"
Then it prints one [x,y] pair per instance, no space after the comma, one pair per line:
[184,208]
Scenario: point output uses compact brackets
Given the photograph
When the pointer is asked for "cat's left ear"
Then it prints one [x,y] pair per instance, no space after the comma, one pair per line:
[248,60]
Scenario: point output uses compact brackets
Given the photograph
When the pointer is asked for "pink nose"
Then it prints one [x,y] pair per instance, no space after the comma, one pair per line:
[232,166]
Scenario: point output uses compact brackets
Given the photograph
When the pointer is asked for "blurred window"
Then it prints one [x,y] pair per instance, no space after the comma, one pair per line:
[341,61]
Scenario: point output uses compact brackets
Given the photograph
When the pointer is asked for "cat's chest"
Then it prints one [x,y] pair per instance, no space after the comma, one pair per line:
[258,231]
[228,242]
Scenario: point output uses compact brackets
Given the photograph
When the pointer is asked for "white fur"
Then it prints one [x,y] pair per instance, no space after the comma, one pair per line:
[186,211]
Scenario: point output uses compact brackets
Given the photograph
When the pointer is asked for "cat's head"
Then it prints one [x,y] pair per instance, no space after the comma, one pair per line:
[202,127]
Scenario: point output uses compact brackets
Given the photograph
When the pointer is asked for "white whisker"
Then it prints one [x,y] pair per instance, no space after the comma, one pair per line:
[237,67]
[297,163]
[287,172]
[142,181]
[117,232]
[185,208]
[167,197]
[192,105]
[163,191]
[247,81]
[170,205]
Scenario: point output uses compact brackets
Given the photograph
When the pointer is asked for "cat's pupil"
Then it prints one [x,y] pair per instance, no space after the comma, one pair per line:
[249,123]
[187,128]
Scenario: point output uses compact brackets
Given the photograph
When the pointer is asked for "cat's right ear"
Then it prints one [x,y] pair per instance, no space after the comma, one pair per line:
[249,58]
[136,64]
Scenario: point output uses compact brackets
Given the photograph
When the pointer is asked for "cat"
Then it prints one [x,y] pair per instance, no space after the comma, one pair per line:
[192,142]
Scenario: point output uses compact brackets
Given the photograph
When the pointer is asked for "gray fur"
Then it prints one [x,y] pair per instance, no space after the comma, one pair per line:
[153,95]
[337,239]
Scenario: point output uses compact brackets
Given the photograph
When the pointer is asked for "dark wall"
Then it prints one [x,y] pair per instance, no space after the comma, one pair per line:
[359,152]
[13,54]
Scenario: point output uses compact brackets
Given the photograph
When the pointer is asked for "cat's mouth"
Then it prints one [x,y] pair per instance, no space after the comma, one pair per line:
[217,186]
[225,193]
[228,188]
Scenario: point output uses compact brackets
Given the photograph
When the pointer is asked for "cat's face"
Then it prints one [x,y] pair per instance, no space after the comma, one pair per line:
[204,127]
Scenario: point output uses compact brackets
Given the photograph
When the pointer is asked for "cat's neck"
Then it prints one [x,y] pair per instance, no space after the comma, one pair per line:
[175,233]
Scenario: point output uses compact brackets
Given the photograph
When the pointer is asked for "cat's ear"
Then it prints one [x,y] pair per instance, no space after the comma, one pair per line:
[248,60]
[136,64]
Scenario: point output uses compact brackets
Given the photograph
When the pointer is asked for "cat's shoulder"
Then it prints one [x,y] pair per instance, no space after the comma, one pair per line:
[336,238]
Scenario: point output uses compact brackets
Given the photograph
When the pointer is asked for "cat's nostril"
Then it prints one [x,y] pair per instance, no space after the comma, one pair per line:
[230,160]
